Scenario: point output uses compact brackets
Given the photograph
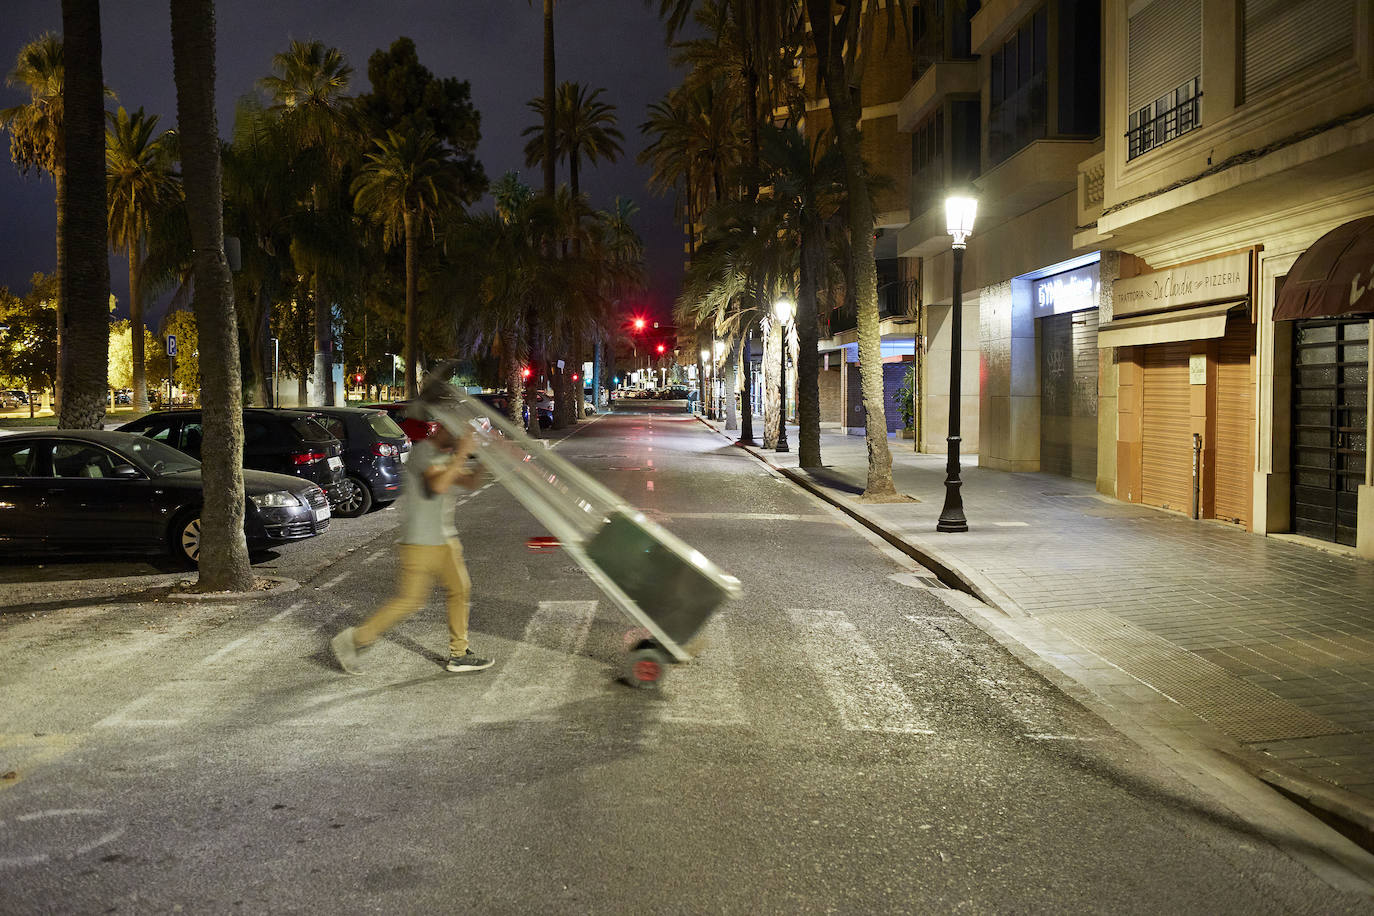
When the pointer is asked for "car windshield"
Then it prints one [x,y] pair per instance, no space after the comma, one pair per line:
[157,458]
[384,426]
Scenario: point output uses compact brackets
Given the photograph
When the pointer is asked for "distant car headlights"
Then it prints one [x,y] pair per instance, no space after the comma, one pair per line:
[278,499]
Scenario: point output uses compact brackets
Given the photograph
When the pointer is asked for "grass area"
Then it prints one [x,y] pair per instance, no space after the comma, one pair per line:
[115,417]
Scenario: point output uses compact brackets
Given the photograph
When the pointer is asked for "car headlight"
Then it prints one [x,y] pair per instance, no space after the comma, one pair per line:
[278,499]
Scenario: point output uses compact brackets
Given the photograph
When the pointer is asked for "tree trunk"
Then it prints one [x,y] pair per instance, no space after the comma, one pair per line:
[515,380]
[324,336]
[224,564]
[412,349]
[86,277]
[303,390]
[597,372]
[550,140]
[772,352]
[730,387]
[845,109]
[140,398]
[746,394]
[59,180]
[532,383]
[808,359]
[558,378]
[579,400]
[259,351]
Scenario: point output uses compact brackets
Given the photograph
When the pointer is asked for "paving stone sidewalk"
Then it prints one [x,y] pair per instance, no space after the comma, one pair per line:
[1269,641]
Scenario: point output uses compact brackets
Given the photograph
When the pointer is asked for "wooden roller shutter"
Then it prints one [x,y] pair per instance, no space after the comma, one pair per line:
[1166,445]
[1235,423]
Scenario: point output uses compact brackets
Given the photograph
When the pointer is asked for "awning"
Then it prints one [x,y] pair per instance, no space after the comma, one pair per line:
[1201,323]
[1333,277]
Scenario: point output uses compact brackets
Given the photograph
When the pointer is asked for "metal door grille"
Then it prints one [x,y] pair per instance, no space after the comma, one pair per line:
[1330,389]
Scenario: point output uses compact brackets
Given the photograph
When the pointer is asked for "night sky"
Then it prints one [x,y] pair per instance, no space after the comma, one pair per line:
[497,45]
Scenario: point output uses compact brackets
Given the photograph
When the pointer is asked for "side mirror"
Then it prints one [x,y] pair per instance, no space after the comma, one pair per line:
[126,472]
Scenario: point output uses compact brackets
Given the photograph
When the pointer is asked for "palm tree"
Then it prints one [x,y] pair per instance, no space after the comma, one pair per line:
[224,564]
[550,108]
[308,87]
[584,127]
[36,139]
[138,179]
[85,278]
[405,183]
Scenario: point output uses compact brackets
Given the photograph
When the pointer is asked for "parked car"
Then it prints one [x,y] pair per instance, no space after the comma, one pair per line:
[500,401]
[374,450]
[280,441]
[89,491]
[415,429]
[10,399]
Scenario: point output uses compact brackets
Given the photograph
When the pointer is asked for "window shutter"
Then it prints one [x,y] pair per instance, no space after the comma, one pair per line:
[1283,37]
[1164,50]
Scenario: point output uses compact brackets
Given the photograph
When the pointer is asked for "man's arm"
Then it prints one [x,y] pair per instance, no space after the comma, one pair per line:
[440,478]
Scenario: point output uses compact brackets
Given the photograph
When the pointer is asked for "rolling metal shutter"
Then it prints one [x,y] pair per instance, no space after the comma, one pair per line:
[1068,394]
[1330,389]
[1283,37]
[1164,50]
[1166,446]
[1234,460]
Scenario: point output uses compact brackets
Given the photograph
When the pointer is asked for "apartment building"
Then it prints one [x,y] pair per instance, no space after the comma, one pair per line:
[1236,178]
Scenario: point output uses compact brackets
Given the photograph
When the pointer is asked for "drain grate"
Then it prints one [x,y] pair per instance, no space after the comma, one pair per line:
[1242,710]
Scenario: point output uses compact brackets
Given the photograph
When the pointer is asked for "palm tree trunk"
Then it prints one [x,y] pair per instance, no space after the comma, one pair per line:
[324,337]
[550,141]
[140,398]
[598,371]
[86,277]
[730,387]
[808,359]
[59,180]
[845,111]
[258,346]
[224,562]
[746,395]
[531,384]
[772,415]
[412,353]
[579,401]
[515,380]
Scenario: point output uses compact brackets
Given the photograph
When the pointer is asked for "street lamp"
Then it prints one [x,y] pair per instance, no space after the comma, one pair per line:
[959,214]
[783,309]
[705,389]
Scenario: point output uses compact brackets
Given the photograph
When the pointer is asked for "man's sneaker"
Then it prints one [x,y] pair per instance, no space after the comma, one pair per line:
[346,652]
[468,662]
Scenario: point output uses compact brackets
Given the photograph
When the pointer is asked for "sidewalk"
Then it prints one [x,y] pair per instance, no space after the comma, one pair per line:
[1267,641]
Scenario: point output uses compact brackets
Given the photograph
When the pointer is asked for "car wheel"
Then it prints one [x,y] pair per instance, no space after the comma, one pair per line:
[355,498]
[185,538]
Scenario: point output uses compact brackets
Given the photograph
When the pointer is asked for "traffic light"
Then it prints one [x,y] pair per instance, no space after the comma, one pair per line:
[639,324]
[525,372]
[574,376]
[660,348]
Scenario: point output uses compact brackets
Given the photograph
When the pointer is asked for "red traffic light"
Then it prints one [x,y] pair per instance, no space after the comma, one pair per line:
[525,372]
[358,378]
[574,376]
[639,324]
[660,348]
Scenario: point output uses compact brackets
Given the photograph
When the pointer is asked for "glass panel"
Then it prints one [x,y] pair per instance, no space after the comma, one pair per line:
[1317,376]
[1316,356]
[1357,330]
[1315,333]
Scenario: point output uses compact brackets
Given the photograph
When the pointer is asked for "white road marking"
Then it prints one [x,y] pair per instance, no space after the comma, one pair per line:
[109,837]
[1058,738]
[535,680]
[377,555]
[216,656]
[336,580]
[60,812]
[706,690]
[859,684]
[120,717]
[1012,524]
[291,609]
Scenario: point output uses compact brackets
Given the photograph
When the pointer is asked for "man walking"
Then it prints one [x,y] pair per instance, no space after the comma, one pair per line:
[429,550]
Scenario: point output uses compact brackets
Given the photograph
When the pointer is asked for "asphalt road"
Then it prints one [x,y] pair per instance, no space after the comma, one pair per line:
[847,742]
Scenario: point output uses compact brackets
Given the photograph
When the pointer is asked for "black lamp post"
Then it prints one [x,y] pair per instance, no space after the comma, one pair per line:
[783,310]
[959,214]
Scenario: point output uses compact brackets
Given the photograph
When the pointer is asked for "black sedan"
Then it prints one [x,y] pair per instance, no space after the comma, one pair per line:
[281,441]
[93,491]
[374,450]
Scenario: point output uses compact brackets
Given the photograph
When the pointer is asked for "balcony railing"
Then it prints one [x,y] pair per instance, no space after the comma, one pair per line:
[1174,114]
[896,299]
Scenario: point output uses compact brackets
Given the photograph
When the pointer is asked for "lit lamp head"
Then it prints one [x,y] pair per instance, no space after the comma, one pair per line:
[783,309]
[720,349]
[705,356]
[959,214]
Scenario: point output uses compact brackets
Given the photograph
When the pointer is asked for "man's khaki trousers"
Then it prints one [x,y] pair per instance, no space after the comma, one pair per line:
[421,565]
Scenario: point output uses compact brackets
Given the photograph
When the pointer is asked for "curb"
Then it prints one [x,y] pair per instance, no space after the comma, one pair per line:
[1348,814]
[948,570]
[275,586]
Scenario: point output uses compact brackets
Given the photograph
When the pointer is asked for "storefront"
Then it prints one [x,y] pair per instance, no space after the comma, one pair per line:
[1186,387]
[1328,296]
[1064,306]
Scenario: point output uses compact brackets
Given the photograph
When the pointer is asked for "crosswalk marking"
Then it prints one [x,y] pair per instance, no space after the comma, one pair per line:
[538,676]
[859,684]
[707,690]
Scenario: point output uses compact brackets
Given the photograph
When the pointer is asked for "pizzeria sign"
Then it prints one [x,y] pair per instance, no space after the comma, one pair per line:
[1213,280]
